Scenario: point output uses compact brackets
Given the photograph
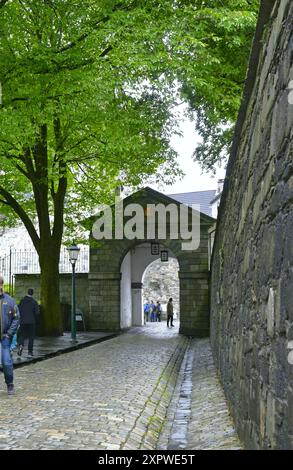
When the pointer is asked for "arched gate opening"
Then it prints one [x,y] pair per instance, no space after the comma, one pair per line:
[134,268]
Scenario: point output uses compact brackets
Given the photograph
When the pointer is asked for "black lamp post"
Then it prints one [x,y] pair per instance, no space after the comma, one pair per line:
[73,252]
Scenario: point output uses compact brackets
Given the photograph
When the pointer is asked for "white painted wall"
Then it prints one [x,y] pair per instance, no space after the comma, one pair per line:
[141,257]
[125,292]
[137,308]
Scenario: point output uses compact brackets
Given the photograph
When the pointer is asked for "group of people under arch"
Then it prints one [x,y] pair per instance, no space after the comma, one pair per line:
[153,312]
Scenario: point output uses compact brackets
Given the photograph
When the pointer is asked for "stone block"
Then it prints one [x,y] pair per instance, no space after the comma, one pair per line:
[270,311]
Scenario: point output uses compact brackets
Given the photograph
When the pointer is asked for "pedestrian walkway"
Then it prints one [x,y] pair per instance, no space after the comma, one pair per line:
[46,347]
[198,416]
[115,395]
[111,395]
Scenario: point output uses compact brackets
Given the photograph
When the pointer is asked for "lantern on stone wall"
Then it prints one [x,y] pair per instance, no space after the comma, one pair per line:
[155,248]
[164,256]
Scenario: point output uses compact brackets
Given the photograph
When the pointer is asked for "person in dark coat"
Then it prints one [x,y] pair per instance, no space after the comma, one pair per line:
[29,311]
[170,312]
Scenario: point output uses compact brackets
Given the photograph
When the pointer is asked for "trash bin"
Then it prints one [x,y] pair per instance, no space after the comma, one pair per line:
[66,317]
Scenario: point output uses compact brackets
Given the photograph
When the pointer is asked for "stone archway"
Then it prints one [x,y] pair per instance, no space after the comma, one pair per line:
[106,259]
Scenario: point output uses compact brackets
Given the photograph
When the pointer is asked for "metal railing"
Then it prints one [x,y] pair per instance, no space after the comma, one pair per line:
[26,261]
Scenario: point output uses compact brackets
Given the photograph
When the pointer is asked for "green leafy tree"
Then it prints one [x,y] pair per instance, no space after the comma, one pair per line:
[214,52]
[87,93]
[75,121]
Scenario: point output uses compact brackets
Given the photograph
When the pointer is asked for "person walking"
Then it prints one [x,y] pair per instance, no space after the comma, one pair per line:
[152,311]
[158,311]
[29,312]
[170,312]
[146,311]
[9,319]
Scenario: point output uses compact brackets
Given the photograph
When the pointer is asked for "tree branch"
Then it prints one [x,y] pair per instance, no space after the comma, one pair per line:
[59,205]
[17,165]
[27,159]
[95,26]
[18,209]
[59,195]
[83,36]
[4,202]
[89,194]
[91,157]
[22,171]
[2,3]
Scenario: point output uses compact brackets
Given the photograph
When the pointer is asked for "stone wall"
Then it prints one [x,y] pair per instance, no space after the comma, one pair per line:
[252,265]
[24,281]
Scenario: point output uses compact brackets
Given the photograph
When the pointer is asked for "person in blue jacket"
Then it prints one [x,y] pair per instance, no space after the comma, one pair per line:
[153,311]
[9,320]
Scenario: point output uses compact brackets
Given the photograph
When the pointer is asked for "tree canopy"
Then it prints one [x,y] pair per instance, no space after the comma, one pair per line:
[75,118]
[95,82]
[214,53]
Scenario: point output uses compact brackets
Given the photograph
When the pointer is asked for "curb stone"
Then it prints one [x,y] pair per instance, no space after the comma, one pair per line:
[60,351]
[168,427]
[154,412]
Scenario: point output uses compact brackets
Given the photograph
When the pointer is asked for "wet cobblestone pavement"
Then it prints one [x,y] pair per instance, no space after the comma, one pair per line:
[115,395]
[112,395]
[198,416]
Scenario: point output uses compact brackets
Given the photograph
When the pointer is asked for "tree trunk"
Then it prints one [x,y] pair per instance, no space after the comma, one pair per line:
[51,320]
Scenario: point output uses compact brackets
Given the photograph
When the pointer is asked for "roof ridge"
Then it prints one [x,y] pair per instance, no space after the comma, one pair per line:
[192,192]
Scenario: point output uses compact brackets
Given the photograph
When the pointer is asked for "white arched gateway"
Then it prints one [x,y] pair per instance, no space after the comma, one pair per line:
[133,267]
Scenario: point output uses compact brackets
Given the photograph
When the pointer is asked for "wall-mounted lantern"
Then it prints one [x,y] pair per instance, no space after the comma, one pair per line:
[155,248]
[164,256]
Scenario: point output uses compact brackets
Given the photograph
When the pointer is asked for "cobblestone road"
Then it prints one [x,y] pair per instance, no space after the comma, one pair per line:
[115,395]
[108,396]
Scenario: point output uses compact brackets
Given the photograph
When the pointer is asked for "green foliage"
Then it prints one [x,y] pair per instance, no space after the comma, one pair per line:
[74,111]
[215,52]
[88,89]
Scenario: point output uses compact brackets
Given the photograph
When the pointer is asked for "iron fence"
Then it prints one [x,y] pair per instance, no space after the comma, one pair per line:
[26,261]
